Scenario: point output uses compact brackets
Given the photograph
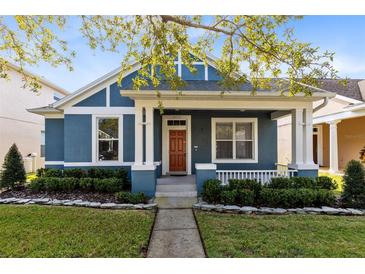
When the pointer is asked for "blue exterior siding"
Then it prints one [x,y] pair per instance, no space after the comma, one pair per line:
[78,138]
[96,100]
[116,100]
[54,149]
[128,138]
[198,75]
[201,137]
[213,74]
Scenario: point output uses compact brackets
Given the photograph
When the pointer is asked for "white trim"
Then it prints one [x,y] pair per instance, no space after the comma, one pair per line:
[165,140]
[108,96]
[303,166]
[319,134]
[206,72]
[100,110]
[347,99]
[54,116]
[54,163]
[234,120]
[179,65]
[143,167]
[105,163]
[206,166]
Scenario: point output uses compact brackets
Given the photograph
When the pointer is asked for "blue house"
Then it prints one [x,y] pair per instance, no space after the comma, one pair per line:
[201,132]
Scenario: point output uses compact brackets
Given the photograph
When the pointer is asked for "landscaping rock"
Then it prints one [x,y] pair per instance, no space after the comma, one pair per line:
[108,206]
[84,203]
[279,211]
[265,210]
[197,206]
[219,208]
[248,209]
[9,200]
[21,201]
[313,210]
[31,202]
[138,206]
[95,204]
[150,206]
[355,211]
[207,207]
[231,209]
[56,202]
[124,206]
[330,210]
[41,201]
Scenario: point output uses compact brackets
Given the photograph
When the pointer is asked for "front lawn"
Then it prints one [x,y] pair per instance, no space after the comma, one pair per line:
[42,231]
[227,235]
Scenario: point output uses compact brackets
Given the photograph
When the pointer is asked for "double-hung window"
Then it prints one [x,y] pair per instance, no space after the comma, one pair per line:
[234,140]
[108,139]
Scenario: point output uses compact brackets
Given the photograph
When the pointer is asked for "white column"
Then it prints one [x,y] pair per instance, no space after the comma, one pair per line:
[308,136]
[297,137]
[333,146]
[138,146]
[149,136]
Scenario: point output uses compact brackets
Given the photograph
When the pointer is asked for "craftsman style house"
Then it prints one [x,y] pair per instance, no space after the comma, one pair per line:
[200,131]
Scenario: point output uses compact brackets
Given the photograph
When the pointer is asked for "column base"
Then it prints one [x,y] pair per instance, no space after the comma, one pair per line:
[144,179]
[204,172]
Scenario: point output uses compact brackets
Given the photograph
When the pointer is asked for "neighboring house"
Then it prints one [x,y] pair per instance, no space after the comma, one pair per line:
[17,124]
[338,127]
[200,132]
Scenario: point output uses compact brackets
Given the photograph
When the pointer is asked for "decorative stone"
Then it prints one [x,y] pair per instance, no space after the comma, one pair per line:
[84,203]
[138,206]
[41,200]
[279,211]
[56,202]
[94,204]
[197,206]
[219,208]
[9,200]
[355,211]
[312,210]
[248,209]
[108,205]
[231,209]
[330,210]
[150,206]
[31,202]
[22,201]
[265,210]
[207,207]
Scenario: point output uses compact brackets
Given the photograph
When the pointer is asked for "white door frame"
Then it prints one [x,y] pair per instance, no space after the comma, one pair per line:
[319,134]
[166,140]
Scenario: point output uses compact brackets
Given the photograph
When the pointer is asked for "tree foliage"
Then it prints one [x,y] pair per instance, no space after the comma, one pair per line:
[354,185]
[13,168]
[264,44]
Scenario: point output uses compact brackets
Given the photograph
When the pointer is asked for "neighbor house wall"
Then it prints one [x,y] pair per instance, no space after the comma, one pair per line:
[17,124]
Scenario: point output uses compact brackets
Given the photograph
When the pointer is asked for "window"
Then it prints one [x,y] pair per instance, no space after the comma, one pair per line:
[43,143]
[108,139]
[176,122]
[234,139]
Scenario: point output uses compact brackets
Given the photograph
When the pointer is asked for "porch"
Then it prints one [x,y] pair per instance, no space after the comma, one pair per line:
[218,136]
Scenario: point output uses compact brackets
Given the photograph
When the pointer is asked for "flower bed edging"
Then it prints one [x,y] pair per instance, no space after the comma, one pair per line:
[80,203]
[279,211]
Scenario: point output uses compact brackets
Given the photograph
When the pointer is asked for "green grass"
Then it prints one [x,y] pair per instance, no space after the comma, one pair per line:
[228,235]
[42,231]
[337,178]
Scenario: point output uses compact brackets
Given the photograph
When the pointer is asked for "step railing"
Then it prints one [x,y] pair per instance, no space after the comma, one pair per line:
[262,176]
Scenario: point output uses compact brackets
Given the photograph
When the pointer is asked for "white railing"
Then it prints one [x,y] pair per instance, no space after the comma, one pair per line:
[263,176]
[281,167]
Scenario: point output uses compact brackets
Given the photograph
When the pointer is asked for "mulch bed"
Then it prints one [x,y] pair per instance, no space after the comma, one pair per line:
[25,193]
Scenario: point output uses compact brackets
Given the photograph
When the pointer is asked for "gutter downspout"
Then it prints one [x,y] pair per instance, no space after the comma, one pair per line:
[325,102]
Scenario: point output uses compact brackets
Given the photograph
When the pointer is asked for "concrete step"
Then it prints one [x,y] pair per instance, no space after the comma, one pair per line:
[175,188]
[176,194]
[175,202]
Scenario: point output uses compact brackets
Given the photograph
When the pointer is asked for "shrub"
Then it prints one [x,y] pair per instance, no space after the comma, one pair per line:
[280,183]
[212,190]
[303,182]
[101,173]
[40,172]
[131,198]
[325,182]
[74,173]
[108,185]
[37,184]
[69,184]
[53,172]
[13,169]
[245,197]
[87,184]
[300,197]
[228,197]
[354,185]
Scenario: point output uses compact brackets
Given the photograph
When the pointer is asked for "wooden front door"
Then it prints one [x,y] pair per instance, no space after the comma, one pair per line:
[177,150]
[315,148]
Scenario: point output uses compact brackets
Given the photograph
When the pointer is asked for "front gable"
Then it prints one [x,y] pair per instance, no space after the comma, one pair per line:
[96,100]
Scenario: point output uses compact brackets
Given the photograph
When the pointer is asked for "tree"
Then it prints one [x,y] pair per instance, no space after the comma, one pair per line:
[13,169]
[256,41]
[362,155]
[354,185]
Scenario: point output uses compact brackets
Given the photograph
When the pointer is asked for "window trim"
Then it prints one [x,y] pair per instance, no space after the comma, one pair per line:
[235,120]
[95,128]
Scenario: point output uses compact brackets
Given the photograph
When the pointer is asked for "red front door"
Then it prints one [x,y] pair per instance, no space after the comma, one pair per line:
[177,151]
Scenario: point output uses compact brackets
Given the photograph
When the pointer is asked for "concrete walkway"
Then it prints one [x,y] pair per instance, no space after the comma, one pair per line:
[175,235]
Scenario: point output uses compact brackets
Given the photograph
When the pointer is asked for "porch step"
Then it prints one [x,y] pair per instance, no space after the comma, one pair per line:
[175,187]
[171,194]
[175,202]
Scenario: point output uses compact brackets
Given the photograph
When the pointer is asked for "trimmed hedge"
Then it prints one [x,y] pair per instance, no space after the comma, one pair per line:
[69,184]
[279,192]
[131,198]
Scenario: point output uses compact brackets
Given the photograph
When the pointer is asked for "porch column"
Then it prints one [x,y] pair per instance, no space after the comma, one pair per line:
[138,135]
[308,136]
[149,136]
[297,137]
[333,146]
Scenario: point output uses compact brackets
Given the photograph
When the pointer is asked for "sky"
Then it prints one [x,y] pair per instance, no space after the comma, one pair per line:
[344,35]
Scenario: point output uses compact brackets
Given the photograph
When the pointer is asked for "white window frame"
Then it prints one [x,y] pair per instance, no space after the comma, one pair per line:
[235,120]
[95,129]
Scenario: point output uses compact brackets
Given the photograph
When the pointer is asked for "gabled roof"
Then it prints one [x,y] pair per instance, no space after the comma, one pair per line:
[351,90]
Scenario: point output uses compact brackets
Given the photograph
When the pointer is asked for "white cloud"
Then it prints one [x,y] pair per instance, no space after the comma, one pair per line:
[350,66]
